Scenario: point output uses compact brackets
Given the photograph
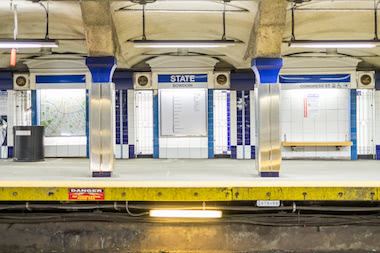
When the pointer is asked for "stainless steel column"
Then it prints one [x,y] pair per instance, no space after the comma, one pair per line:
[267,108]
[102,123]
[102,102]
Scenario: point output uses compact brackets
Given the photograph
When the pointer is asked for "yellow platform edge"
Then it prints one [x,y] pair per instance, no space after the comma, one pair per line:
[198,194]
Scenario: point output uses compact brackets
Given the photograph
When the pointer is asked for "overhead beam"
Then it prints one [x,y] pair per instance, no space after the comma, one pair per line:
[99,28]
[267,32]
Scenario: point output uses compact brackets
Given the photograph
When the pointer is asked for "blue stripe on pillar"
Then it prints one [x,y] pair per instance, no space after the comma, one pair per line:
[131,153]
[233,152]
[101,68]
[247,119]
[228,122]
[354,148]
[10,152]
[377,152]
[210,119]
[253,152]
[239,117]
[34,108]
[6,81]
[117,116]
[267,70]
[87,125]
[125,115]
[156,148]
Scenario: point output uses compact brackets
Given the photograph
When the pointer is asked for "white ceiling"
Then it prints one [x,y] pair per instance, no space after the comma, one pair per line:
[66,23]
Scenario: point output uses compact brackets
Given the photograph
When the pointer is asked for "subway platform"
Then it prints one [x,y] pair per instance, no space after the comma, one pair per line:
[190,180]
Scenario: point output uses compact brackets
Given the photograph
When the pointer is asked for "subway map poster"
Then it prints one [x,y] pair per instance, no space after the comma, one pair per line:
[63,112]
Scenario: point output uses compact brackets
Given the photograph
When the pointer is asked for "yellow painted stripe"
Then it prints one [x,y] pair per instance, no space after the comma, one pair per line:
[198,194]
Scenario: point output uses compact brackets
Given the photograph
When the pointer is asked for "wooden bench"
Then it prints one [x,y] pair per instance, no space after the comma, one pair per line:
[338,145]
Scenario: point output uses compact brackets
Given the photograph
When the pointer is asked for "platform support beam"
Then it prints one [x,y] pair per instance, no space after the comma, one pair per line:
[102,104]
[267,106]
[264,47]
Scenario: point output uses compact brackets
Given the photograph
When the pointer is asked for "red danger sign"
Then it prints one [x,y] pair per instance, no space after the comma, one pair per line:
[85,194]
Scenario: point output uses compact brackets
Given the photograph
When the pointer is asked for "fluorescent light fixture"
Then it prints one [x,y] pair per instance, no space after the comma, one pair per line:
[185,11]
[183,43]
[21,43]
[334,43]
[185,213]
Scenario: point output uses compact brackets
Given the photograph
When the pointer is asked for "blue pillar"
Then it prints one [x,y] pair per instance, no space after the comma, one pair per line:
[267,70]
[353,128]
[101,68]
[268,141]
[156,134]
[34,108]
[87,125]
[101,115]
[210,123]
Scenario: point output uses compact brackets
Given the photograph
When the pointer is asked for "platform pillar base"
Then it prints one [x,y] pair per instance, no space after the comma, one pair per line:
[269,174]
[101,174]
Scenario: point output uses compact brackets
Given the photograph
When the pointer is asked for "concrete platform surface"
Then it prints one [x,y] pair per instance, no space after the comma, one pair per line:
[64,172]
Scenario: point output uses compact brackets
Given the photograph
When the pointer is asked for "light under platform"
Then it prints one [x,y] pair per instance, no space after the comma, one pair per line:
[192,180]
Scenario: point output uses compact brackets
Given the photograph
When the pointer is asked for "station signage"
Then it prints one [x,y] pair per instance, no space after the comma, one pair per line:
[338,81]
[85,194]
[170,81]
[287,86]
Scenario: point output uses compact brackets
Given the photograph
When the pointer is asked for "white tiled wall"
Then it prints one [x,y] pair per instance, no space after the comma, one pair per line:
[183,147]
[253,116]
[377,116]
[220,122]
[131,117]
[121,151]
[65,146]
[144,122]
[19,111]
[331,124]
[365,114]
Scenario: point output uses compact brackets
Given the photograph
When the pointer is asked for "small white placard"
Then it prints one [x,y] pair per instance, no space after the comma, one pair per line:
[23,132]
[268,203]
[311,106]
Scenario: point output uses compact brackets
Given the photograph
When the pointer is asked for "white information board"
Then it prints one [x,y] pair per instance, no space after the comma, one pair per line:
[183,112]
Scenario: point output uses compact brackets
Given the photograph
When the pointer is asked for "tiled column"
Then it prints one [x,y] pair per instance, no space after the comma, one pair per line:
[156,134]
[233,123]
[353,127]
[131,121]
[102,101]
[121,121]
[377,119]
[210,122]
[267,104]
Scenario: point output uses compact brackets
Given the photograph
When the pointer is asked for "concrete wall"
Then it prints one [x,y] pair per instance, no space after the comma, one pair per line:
[192,237]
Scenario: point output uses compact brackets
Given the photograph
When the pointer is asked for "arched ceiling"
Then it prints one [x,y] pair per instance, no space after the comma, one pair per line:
[318,19]
[334,20]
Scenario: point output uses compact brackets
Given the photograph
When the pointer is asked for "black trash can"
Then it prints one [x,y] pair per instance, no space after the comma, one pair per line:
[28,143]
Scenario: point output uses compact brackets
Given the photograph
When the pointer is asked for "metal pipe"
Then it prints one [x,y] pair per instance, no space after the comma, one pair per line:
[293,36]
[144,36]
[224,21]
[47,20]
[376,35]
